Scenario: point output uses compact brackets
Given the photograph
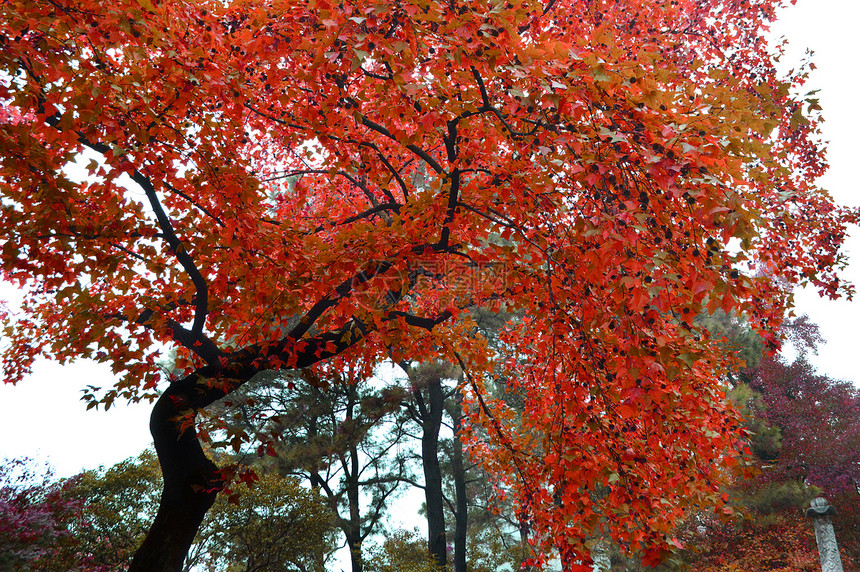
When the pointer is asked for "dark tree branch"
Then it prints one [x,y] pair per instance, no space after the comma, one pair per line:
[487,106]
[383,207]
[193,202]
[201,345]
[414,148]
[379,507]
[394,172]
[375,75]
[450,210]
[194,340]
[276,119]
[421,321]
[202,290]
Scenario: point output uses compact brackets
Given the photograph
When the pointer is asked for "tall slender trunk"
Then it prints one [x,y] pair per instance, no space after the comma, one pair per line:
[458,468]
[432,422]
[353,543]
[316,486]
[352,494]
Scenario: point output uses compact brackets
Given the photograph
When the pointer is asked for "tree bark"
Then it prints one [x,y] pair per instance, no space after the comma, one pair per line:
[355,557]
[525,548]
[461,513]
[191,483]
[436,541]
[352,495]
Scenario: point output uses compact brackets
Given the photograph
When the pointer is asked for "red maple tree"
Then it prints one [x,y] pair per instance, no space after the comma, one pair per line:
[277,184]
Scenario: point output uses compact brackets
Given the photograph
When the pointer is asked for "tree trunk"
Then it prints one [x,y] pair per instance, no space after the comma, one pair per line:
[353,538]
[351,476]
[436,541]
[191,483]
[355,557]
[458,469]
[191,480]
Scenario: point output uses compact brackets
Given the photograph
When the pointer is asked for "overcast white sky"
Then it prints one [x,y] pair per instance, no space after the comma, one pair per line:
[43,416]
[829,28]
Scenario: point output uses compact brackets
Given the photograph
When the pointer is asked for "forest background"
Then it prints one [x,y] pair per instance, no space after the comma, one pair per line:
[108,437]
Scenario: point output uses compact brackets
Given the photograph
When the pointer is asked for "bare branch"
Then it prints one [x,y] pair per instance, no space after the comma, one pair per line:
[201,296]
[414,148]
[491,108]
[193,202]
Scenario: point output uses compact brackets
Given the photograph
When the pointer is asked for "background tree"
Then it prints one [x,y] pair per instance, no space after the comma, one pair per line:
[819,422]
[802,429]
[268,183]
[337,432]
[117,507]
[427,408]
[277,525]
[493,535]
[95,521]
[434,403]
[402,551]
[35,518]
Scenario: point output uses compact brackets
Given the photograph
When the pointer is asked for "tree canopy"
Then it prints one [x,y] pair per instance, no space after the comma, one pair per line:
[289,184]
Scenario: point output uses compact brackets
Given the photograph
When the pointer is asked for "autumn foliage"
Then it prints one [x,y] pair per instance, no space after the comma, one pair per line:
[34,517]
[287,184]
[785,544]
[802,432]
[819,422]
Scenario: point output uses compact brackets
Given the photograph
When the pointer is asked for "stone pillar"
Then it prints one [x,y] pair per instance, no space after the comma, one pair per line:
[600,557]
[828,550]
